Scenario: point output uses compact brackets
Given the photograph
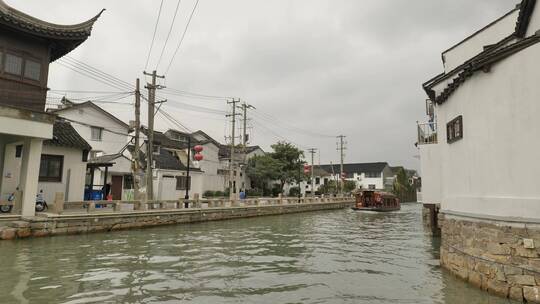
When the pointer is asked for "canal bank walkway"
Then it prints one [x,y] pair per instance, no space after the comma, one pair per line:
[104,216]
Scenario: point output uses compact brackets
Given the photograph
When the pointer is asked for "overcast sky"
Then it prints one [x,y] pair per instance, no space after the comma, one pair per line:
[352,67]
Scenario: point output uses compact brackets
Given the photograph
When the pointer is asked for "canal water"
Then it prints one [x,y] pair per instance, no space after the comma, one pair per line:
[323,257]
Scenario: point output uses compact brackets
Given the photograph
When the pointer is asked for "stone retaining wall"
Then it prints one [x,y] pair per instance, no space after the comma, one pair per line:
[85,223]
[502,258]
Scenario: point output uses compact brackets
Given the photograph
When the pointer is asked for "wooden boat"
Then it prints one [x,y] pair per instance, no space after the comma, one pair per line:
[371,200]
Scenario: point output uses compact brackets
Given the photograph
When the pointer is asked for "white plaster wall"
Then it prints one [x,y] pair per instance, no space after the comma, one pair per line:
[430,162]
[475,45]
[23,127]
[111,142]
[72,162]
[494,169]
[165,188]
[212,181]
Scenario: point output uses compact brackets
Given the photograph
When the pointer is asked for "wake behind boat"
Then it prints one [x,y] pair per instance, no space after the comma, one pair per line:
[378,201]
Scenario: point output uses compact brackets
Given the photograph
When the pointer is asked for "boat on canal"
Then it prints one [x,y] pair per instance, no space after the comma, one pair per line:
[378,201]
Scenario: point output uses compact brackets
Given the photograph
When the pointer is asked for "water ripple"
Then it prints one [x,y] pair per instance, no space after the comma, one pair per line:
[321,257]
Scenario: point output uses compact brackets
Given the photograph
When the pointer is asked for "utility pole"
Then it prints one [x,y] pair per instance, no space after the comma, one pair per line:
[312,151]
[136,160]
[232,175]
[152,87]
[341,149]
[245,108]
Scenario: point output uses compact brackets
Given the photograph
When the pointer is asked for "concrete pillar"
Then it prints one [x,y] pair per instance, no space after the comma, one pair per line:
[58,206]
[30,174]
[2,160]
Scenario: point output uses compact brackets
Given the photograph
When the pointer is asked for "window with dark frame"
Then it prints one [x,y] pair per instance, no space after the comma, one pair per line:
[51,168]
[372,187]
[128,182]
[18,151]
[454,130]
[97,133]
[183,182]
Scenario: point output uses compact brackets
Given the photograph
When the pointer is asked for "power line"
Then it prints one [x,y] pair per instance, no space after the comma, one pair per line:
[100,72]
[183,36]
[285,126]
[154,36]
[169,34]
[90,76]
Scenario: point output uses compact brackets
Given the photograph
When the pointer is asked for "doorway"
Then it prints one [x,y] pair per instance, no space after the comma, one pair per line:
[116,187]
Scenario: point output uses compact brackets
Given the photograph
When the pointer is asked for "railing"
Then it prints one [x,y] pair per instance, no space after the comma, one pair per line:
[60,207]
[427,133]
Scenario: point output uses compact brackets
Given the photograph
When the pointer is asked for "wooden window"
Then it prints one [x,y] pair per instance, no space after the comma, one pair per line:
[183,182]
[32,70]
[454,130]
[317,181]
[97,133]
[13,64]
[51,168]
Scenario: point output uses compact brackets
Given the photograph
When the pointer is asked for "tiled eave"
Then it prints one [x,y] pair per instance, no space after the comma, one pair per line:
[482,62]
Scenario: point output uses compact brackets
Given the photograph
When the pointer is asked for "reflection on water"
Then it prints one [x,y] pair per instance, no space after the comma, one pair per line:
[324,257]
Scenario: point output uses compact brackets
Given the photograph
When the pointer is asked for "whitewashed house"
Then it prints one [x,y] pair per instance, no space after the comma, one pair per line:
[372,176]
[170,159]
[33,44]
[62,164]
[109,139]
[480,150]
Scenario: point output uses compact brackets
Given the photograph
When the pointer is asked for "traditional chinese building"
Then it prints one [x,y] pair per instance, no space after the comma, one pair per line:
[479,155]
[27,47]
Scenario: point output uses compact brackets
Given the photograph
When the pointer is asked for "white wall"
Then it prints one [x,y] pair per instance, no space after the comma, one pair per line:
[475,45]
[212,181]
[111,143]
[165,188]
[430,162]
[72,163]
[494,169]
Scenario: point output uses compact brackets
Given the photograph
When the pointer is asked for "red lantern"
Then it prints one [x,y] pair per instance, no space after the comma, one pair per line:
[307,167]
[198,148]
[198,157]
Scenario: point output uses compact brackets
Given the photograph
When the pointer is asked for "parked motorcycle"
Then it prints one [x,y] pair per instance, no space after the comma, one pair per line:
[41,204]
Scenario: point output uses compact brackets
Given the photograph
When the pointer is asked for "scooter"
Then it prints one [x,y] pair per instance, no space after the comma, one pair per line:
[41,204]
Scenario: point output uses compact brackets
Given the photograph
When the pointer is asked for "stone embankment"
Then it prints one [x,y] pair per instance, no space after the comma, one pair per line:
[92,219]
[501,257]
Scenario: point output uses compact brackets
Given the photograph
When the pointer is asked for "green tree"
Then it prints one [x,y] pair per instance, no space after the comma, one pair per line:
[262,170]
[402,188]
[291,164]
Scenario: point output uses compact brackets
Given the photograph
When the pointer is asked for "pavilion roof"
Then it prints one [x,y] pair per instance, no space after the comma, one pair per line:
[63,38]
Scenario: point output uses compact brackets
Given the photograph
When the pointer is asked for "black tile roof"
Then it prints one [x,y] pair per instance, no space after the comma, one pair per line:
[491,54]
[165,160]
[64,135]
[225,150]
[356,168]
[63,38]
